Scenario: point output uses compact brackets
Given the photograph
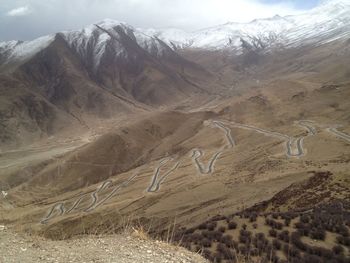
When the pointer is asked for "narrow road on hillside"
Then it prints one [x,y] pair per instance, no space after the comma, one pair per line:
[57,207]
[157,180]
[228,133]
[309,126]
[294,146]
[94,196]
[197,153]
[60,207]
[210,169]
[339,134]
[76,203]
[116,189]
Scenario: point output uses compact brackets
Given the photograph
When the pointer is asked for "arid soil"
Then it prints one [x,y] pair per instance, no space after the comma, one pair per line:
[16,247]
[281,122]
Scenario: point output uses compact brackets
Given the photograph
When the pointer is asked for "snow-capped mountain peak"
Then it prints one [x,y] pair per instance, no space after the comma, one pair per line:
[325,23]
[22,50]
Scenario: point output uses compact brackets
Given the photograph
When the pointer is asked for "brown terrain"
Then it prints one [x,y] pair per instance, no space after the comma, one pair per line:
[190,143]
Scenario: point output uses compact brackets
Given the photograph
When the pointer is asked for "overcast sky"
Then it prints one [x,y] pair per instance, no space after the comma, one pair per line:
[28,19]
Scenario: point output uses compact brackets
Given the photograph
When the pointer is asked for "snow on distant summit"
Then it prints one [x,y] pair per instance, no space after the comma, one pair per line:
[327,22]
[90,43]
[22,50]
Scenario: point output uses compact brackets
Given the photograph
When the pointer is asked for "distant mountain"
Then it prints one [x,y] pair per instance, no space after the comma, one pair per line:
[111,68]
[327,22]
[104,70]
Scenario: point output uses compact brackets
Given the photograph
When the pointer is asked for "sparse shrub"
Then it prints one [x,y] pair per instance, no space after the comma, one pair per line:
[304,219]
[273,233]
[206,242]
[195,237]
[303,247]
[255,225]
[243,232]
[216,235]
[342,230]
[243,250]
[343,240]
[253,217]
[228,241]
[212,235]
[274,224]
[219,218]
[268,249]
[211,226]
[202,226]
[222,229]
[284,236]
[245,215]
[318,233]
[244,227]
[225,251]
[232,225]
[338,250]
[187,245]
[207,254]
[277,244]
[286,249]
[244,239]
[312,259]
[260,236]
[304,231]
[293,252]
[189,231]
[287,221]
[198,249]
[218,257]
[278,225]
[254,252]
[326,253]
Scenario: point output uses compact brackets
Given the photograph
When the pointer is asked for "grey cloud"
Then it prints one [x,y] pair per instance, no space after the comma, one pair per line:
[50,16]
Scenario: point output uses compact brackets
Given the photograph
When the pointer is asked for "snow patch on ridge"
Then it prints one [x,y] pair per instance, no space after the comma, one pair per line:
[327,22]
[18,50]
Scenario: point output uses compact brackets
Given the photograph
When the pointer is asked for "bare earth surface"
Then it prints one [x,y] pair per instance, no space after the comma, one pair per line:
[117,248]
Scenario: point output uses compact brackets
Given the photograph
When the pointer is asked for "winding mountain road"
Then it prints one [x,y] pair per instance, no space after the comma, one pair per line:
[60,207]
[76,203]
[210,169]
[57,207]
[308,126]
[197,153]
[94,194]
[298,145]
[339,134]
[155,183]
[228,133]
[111,194]
[294,146]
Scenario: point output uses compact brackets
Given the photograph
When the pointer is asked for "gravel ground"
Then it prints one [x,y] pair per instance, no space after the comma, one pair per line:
[117,248]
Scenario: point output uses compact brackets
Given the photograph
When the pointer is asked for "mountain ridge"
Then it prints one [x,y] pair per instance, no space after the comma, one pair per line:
[325,20]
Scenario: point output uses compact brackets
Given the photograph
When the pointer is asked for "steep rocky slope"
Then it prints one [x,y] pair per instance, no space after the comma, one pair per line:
[103,71]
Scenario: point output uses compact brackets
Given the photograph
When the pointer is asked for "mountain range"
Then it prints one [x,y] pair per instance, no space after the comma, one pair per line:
[184,133]
[111,67]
